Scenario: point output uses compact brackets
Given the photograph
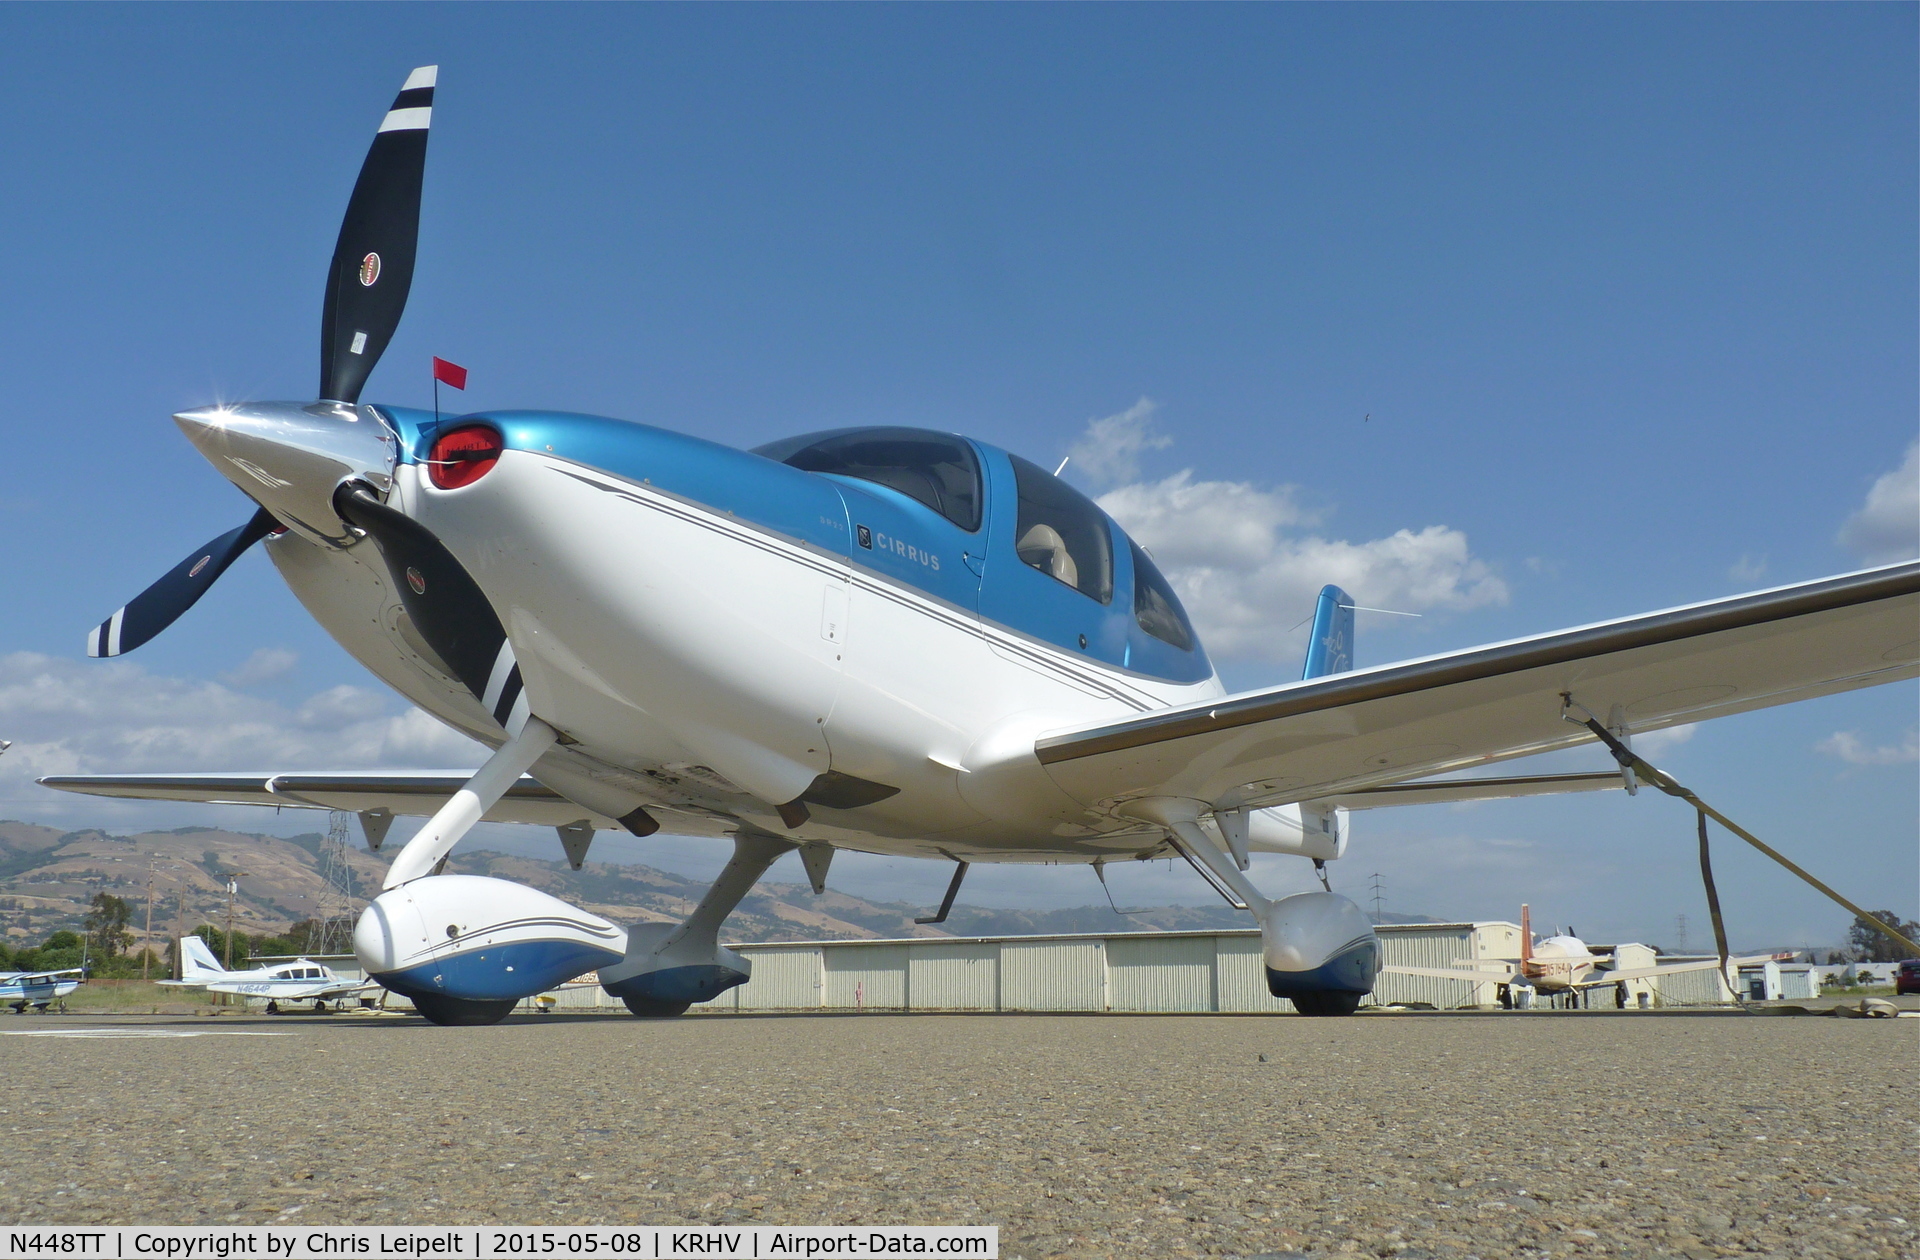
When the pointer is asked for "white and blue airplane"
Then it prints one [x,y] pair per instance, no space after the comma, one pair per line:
[302,980]
[883,639]
[38,989]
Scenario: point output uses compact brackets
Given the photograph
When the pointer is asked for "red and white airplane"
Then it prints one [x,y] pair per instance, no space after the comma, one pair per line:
[1558,965]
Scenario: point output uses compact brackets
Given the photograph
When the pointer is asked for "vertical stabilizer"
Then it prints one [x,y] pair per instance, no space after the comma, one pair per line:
[1330,650]
[196,960]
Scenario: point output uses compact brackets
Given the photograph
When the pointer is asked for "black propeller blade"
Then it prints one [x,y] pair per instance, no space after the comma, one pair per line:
[373,260]
[161,604]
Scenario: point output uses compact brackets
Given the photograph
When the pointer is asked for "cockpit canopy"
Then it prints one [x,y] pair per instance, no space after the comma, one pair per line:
[1036,519]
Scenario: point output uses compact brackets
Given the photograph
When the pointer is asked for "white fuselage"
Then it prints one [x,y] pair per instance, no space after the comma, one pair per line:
[705,667]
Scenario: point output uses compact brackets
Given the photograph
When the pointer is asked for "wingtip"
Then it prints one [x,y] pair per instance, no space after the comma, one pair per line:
[422,77]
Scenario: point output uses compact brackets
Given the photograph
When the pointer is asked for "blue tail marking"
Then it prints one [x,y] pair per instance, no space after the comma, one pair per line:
[1330,651]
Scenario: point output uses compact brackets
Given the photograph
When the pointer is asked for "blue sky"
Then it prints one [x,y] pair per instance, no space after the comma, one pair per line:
[1628,292]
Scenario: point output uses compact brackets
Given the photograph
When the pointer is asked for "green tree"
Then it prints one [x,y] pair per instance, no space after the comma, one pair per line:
[1870,944]
[107,917]
[62,949]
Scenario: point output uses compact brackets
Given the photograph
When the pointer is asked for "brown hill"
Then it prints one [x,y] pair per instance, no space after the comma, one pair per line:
[47,877]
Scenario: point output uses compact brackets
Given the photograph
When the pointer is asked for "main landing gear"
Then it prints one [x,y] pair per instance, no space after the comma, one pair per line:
[667,969]
[1320,950]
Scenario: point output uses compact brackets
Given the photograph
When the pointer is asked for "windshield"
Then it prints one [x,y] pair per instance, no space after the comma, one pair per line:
[936,469]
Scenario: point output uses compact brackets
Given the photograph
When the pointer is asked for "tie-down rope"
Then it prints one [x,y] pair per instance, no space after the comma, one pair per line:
[1648,773]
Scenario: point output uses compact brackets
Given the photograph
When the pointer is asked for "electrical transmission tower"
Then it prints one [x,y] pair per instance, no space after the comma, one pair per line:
[334,916]
[1378,896]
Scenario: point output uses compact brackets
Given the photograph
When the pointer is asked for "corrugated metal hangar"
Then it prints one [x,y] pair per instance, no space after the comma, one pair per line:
[1145,971]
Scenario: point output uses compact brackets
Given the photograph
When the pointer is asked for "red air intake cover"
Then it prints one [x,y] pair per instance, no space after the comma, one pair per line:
[462,456]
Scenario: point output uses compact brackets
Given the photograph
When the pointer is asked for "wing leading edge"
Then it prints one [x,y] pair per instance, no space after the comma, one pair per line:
[405,793]
[1358,731]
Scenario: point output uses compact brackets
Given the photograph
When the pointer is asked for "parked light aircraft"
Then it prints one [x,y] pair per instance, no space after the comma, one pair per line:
[884,639]
[1561,965]
[38,989]
[302,980]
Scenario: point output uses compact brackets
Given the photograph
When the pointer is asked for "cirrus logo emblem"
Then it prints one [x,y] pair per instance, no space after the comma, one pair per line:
[369,270]
[418,583]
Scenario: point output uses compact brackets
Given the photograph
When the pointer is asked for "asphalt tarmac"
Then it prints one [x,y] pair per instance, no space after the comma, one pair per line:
[1081,1135]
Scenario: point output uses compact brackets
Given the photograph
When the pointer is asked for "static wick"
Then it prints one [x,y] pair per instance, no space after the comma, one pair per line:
[1063,466]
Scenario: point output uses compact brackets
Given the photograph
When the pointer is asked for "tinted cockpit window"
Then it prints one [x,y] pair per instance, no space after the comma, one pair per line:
[1060,532]
[937,469]
[1155,606]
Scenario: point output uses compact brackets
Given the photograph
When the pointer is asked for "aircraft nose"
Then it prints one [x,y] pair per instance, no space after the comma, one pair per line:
[291,457]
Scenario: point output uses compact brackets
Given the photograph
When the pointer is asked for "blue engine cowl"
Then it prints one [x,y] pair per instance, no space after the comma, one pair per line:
[1317,944]
[479,940]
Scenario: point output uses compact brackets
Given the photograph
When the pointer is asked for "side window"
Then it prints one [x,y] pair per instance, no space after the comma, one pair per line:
[1155,606]
[936,469]
[1060,532]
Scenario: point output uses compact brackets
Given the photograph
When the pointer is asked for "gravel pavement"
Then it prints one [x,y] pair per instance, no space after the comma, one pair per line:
[1079,1135]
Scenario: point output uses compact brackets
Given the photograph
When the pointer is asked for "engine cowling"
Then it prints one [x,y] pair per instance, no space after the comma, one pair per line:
[1321,953]
[468,938]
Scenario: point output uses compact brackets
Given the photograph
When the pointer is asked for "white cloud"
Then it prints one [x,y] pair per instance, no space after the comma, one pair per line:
[1108,453]
[1747,569]
[1245,568]
[1850,748]
[264,665]
[1651,744]
[69,716]
[1887,526]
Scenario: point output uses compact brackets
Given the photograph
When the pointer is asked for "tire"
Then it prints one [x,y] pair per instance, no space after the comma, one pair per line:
[461,1012]
[649,1008]
[1329,1003]
[273,1008]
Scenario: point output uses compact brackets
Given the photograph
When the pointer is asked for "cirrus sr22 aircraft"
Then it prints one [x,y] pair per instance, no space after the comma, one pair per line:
[890,640]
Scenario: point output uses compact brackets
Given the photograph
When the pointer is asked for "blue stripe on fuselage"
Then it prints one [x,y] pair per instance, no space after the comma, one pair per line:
[750,488]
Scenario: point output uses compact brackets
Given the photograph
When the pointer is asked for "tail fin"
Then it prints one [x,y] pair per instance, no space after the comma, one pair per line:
[1526,935]
[196,959]
[1330,650]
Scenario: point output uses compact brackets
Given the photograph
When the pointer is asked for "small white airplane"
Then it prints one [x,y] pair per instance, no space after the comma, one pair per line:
[1561,965]
[302,980]
[38,989]
[884,639]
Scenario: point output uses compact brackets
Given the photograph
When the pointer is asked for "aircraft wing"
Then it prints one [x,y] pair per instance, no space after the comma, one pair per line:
[1669,969]
[1503,976]
[401,792]
[1356,732]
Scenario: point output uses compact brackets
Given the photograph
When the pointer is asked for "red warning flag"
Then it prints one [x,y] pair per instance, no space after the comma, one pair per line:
[452,373]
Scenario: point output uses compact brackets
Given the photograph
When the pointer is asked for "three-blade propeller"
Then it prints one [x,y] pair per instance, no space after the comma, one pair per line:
[366,295]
